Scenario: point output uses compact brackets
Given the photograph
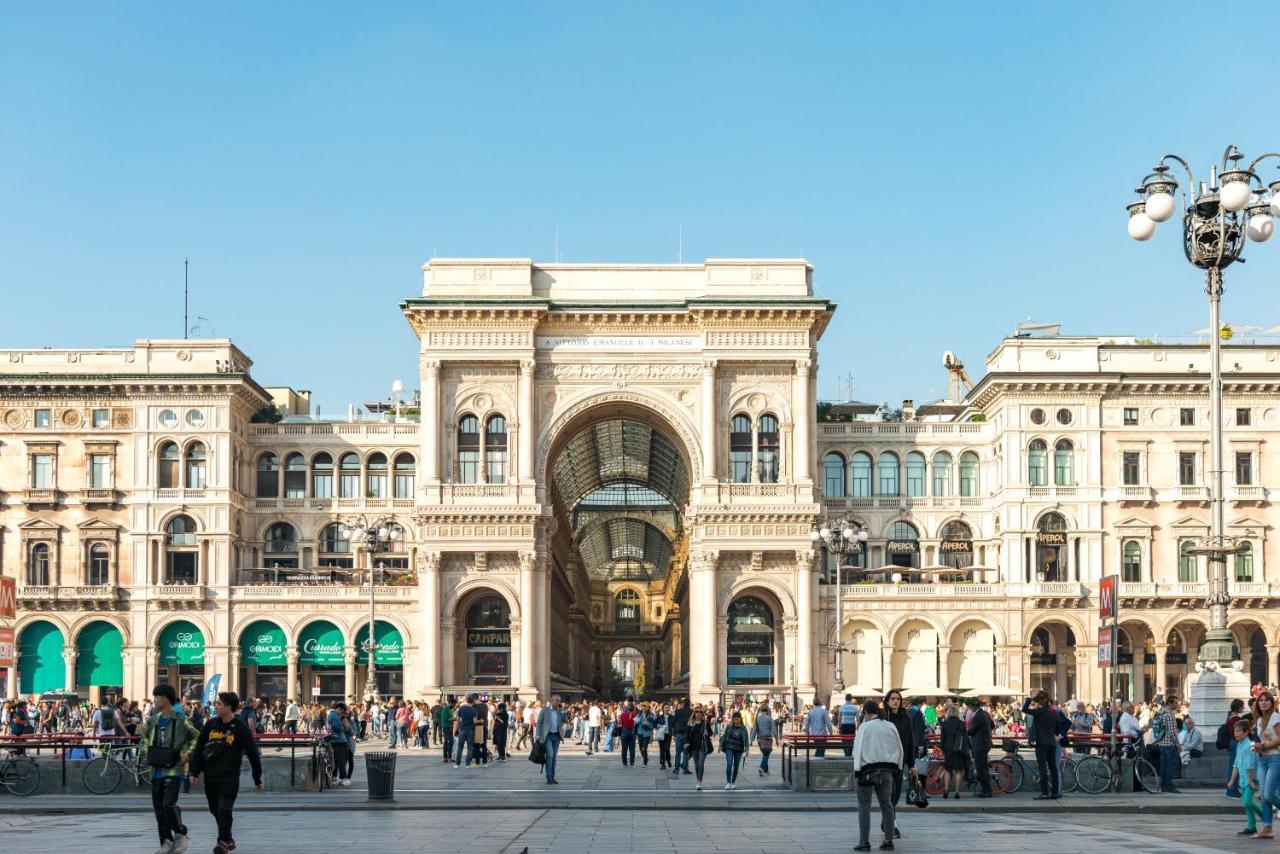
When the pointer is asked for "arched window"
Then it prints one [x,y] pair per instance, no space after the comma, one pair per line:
[38,565]
[349,476]
[1244,562]
[769,448]
[322,476]
[915,474]
[99,566]
[268,476]
[167,466]
[1051,548]
[335,546]
[375,479]
[1188,562]
[860,483]
[968,474]
[833,475]
[468,449]
[750,653]
[1131,567]
[295,476]
[282,546]
[740,449]
[888,465]
[903,545]
[488,625]
[495,449]
[195,466]
[956,548]
[1063,463]
[1037,463]
[941,473]
[626,606]
[182,556]
[404,469]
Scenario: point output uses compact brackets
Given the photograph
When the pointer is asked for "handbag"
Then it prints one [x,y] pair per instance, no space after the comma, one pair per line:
[538,753]
[765,743]
[159,756]
[660,732]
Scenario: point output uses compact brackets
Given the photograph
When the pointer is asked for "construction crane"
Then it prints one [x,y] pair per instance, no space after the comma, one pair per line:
[960,382]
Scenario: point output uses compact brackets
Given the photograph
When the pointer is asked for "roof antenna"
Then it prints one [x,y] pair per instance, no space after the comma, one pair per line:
[557,243]
[186,264]
[680,246]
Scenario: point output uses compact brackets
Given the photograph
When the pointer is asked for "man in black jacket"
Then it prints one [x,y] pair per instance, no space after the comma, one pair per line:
[980,726]
[223,743]
[1043,730]
[680,726]
[896,713]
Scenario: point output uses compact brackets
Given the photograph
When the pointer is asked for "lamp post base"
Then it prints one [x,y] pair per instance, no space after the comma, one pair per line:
[1212,688]
[371,689]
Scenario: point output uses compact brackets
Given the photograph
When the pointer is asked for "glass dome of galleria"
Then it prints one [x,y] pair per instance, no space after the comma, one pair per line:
[622,485]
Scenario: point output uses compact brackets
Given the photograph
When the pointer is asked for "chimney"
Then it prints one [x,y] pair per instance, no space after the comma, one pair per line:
[908,410]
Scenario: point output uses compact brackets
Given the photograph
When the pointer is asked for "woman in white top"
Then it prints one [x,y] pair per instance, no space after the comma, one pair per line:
[1267,729]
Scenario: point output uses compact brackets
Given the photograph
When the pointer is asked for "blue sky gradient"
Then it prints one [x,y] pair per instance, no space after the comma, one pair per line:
[950,169]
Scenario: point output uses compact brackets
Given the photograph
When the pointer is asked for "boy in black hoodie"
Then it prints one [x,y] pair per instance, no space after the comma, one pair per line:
[223,742]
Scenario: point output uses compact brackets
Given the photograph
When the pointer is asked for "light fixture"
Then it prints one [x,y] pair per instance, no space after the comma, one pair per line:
[814,536]
[847,533]
[1141,226]
[896,577]
[1235,192]
[862,535]
[825,533]
[1275,198]
[1160,205]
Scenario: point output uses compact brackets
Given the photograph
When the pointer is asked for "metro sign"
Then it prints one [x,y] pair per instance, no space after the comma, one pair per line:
[8,598]
[1106,647]
[1107,597]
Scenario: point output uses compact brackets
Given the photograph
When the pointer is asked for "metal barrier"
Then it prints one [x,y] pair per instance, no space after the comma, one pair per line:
[793,743]
[62,743]
[277,740]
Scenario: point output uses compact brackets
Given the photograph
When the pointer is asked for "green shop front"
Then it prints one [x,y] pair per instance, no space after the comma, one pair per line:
[322,662]
[180,658]
[388,660]
[264,662]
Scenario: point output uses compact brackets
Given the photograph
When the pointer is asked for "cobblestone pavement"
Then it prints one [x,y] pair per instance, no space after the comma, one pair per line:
[674,830]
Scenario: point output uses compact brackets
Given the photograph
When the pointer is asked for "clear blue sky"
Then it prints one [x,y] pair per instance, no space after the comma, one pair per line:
[950,169]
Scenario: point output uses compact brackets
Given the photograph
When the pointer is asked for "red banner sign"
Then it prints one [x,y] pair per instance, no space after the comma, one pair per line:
[1106,647]
[8,598]
[7,651]
[1107,590]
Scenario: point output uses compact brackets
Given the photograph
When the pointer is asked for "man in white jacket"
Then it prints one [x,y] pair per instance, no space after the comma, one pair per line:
[877,757]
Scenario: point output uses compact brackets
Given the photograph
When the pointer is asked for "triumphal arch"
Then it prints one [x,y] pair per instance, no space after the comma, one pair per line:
[616,478]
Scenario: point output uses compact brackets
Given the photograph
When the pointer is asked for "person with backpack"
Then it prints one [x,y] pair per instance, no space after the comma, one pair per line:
[223,744]
[168,740]
[1227,741]
[336,738]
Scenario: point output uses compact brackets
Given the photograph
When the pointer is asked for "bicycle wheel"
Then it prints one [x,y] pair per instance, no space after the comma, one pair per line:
[1001,777]
[102,775]
[21,775]
[1069,782]
[935,782]
[1093,773]
[1017,774]
[1148,779]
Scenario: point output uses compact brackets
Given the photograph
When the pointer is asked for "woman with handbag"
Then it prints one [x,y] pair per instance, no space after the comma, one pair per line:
[644,732]
[662,734]
[763,734]
[698,742]
[733,743]
[955,750]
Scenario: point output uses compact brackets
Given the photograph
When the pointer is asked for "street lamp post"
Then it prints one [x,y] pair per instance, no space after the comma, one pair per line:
[372,537]
[1219,217]
[843,538]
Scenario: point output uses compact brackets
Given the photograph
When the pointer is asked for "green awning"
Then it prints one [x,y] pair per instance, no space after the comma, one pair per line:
[321,643]
[181,642]
[101,655]
[390,644]
[40,664]
[262,644]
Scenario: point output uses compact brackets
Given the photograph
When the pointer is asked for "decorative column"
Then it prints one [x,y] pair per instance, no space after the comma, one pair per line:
[803,417]
[69,656]
[524,417]
[1273,670]
[702,625]
[233,677]
[448,652]
[291,673]
[886,667]
[944,666]
[708,436]
[1162,667]
[429,619]
[722,651]
[805,606]
[431,420]
[348,671]
[528,634]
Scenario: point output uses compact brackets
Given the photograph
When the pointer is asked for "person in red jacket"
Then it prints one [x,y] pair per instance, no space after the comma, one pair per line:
[627,728]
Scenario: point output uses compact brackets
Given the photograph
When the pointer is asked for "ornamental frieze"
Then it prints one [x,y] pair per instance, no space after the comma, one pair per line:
[738,338]
[618,372]
[480,338]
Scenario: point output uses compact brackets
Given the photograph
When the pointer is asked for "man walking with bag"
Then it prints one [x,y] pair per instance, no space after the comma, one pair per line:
[167,742]
[548,732]
[877,759]
[224,742]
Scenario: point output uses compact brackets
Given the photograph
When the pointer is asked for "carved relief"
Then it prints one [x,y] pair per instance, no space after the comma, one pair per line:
[122,418]
[71,418]
[13,419]
[734,338]
[440,339]
[618,372]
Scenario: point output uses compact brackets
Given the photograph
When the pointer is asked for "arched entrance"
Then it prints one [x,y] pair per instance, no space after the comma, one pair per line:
[40,663]
[972,663]
[100,660]
[752,643]
[263,664]
[626,666]
[388,658]
[1052,663]
[619,481]
[862,667]
[488,641]
[180,660]
[322,663]
[914,668]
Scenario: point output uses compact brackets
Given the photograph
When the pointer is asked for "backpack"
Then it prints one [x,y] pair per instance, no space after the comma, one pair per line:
[1223,741]
[1158,729]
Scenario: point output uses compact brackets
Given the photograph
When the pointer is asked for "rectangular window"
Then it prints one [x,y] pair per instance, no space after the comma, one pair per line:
[1187,468]
[1244,468]
[44,417]
[740,466]
[101,419]
[861,482]
[377,488]
[349,487]
[99,471]
[1131,416]
[495,465]
[468,468]
[1131,468]
[1187,416]
[42,471]
[1188,564]
[322,487]
[404,489]
[1243,417]
[915,480]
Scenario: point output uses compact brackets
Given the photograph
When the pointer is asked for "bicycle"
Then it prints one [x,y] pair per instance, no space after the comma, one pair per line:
[325,765]
[999,772]
[1024,772]
[102,775]
[19,774]
[1099,773]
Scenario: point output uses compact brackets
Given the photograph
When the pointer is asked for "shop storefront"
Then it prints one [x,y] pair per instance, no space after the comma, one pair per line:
[320,662]
[750,643]
[263,664]
[99,661]
[388,660]
[181,658]
[489,642]
[40,664]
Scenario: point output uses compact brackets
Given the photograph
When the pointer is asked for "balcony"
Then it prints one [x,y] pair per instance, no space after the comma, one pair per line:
[41,497]
[478,493]
[740,493]
[1138,590]
[922,591]
[90,594]
[99,497]
[332,593]
[328,428]
[1052,491]
[1193,494]
[1137,495]
[37,596]
[182,495]
[1247,495]
[179,595]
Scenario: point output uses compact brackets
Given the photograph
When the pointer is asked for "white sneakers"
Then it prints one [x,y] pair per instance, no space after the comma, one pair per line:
[180,844]
[697,788]
[731,785]
[165,847]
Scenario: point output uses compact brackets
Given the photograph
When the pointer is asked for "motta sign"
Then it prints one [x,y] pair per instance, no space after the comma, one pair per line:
[616,342]
[8,598]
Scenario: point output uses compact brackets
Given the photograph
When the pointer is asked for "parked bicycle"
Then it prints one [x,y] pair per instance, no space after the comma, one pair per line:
[1024,772]
[999,771]
[19,774]
[1101,772]
[102,775]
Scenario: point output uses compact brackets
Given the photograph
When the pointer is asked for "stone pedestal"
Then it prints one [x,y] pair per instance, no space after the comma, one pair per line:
[1211,693]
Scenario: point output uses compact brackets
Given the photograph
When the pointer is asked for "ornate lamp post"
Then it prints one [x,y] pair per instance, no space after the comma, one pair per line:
[372,537]
[843,538]
[1219,217]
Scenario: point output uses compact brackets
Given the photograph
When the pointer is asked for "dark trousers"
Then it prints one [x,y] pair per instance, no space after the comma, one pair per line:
[164,801]
[644,748]
[500,742]
[448,746]
[221,793]
[1170,763]
[664,752]
[340,752]
[628,746]
[847,729]
[1047,761]
[882,789]
[982,767]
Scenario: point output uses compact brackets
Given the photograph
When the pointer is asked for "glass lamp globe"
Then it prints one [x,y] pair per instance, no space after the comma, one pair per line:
[357,534]
[862,536]
[1160,206]
[826,533]
[847,533]
[1275,203]
[1235,195]
[1141,226]
[394,532]
[814,536]
[1260,228]
[897,577]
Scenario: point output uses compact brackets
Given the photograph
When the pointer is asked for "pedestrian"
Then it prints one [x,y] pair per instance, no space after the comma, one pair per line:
[1164,735]
[980,727]
[763,734]
[549,731]
[644,732]
[698,742]
[817,723]
[877,761]
[595,718]
[167,743]
[1266,729]
[1043,731]
[847,718]
[894,711]
[954,743]
[224,742]
[1083,722]
[662,733]
[680,725]
[501,721]
[733,744]
[626,728]
[337,740]
[1227,741]
[1244,775]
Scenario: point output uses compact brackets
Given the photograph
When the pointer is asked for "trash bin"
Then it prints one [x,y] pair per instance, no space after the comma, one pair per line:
[380,773]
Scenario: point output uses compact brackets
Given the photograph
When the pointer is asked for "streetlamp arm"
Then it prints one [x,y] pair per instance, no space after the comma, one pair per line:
[1186,168]
[1263,157]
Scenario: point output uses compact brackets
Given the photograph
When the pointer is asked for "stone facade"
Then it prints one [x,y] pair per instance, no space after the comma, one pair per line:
[622,460]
